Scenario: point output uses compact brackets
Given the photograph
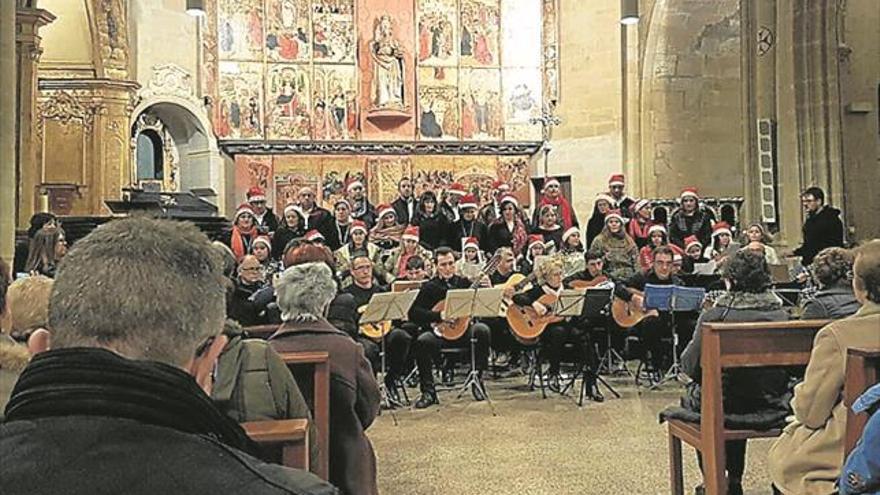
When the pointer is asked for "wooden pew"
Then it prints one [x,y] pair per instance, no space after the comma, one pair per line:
[862,372]
[733,345]
[291,434]
[319,362]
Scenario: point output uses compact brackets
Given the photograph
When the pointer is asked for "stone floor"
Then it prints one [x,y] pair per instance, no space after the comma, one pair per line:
[538,446]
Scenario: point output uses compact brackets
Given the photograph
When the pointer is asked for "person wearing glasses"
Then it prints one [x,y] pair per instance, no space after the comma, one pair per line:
[264,217]
[822,227]
[243,306]
[361,209]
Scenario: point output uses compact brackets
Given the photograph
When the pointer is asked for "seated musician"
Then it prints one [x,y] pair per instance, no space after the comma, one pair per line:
[753,397]
[427,346]
[651,331]
[502,340]
[397,341]
[534,248]
[556,335]
[593,275]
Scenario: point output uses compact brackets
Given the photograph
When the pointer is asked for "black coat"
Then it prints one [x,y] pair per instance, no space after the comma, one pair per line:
[821,230]
[433,291]
[461,229]
[269,222]
[87,421]
[282,236]
[244,309]
[498,235]
[699,224]
[433,231]
[402,211]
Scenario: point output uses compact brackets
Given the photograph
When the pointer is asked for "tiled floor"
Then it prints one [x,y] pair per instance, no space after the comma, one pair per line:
[538,446]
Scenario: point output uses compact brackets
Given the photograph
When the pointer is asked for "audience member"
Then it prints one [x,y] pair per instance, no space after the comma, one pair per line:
[808,456]
[304,295]
[13,356]
[822,227]
[123,377]
[292,226]
[40,220]
[248,305]
[47,248]
[861,472]
[835,299]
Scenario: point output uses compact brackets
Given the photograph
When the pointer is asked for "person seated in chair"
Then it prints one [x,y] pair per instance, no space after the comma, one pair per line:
[861,473]
[835,299]
[120,399]
[752,397]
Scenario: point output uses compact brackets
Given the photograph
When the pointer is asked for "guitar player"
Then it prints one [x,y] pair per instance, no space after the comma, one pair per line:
[427,346]
[397,341]
[651,331]
[503,343]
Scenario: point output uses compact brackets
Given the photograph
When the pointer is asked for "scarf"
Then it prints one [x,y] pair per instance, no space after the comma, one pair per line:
[240,246]
[519,234]
[562,206]
[84,381]
[392,233]
[638,229]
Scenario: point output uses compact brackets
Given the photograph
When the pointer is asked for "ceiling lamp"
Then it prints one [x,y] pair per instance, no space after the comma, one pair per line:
[629,11]
[195,8]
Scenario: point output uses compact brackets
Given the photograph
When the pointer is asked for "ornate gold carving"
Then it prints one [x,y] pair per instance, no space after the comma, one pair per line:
[171,157]
[112,37]
[66,107]
[169,80]
[379,148]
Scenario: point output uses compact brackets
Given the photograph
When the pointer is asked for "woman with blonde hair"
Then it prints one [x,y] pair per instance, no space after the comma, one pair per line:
[757,236]
[618,248]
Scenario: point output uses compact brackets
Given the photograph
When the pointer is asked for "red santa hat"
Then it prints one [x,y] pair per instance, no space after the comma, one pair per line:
[470,242]
[656,228]
[570,232]
[241,210]
[509,198]
[341,201]
[550,181]
[500,185]
[411,233]
[468,201]
[604,197]
[262,240]
[616,180]
[456,188]
[638,205]
[256,194]
[689,192]
[614,214]
[533,240]
[385,209]
[691,240]
[720,228]
[313,236]
[358,225]
[292,207]
[352,184]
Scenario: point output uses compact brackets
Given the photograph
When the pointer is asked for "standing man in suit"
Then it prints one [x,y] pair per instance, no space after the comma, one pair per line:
[405,204]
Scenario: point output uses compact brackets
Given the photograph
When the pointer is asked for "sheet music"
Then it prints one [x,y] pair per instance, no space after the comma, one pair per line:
[459,303]
[388,306]
[570,302]
[487,302]
[705,268]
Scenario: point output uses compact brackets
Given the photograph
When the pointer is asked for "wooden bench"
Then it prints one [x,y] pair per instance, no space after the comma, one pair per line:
[862,372]
[733,345]
[292,435]
[319,399]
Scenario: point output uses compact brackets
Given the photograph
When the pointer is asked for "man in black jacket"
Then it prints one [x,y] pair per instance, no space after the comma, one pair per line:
[129,375]
[405,204]
[822,228]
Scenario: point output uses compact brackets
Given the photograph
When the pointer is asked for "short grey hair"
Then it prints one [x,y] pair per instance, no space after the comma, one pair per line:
[149,289]
[305,290]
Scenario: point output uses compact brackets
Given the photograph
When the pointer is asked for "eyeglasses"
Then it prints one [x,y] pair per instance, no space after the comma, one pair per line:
[361,267]
[251,269]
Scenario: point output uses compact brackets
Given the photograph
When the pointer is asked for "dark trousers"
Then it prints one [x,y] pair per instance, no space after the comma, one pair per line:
[397,344]
[655,334]
[502,338]
[735,455]
[428,345]
[556,337]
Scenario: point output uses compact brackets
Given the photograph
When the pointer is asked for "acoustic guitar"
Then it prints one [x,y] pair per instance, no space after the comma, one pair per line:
[378,330]
[629,314]
[586,284]
[526,324]
[455,328]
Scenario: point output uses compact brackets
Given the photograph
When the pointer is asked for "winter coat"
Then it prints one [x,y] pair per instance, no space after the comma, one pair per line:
[861,473]
[433,230]
[354,400]
[621,254]
[821,230]
[392,267]
[343,262]
[699,224]
[754,398]
[282,237]
[13,358]
[806,458]
[831,303]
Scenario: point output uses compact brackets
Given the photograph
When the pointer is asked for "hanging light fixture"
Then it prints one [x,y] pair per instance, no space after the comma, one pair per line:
[629,12]
[195,8]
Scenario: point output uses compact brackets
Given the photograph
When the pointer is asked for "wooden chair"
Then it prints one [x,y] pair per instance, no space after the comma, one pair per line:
[319,362]
[292,435]
[733,345]
[862,372]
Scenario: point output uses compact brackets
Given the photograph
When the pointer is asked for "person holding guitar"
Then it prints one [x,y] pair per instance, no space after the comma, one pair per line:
[428,344]
[502,340]
[397,340]
[651,331]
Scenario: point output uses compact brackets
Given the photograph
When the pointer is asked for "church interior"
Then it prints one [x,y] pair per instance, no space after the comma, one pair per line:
[337,115]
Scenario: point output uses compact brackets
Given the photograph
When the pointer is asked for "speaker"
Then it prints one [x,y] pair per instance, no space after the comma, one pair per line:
[767,170]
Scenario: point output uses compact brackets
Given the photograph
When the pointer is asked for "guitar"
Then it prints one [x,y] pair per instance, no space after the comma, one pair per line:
[375,331]
[526,324]
[629,314]
[586,284]
[455,328]
[518,282]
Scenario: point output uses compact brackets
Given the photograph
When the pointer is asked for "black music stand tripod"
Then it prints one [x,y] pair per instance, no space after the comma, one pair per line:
[676,304]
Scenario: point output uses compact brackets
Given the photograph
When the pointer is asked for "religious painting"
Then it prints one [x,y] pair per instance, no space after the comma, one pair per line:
[550,34]
[336,173]
[480,26]
[240,27]
[387,61]
[481,115]
[438,103]
[287,101]
[521,33]
[522,101]
[288,30]
[293,173]
[384,174]
[240,105]
[334,105]
[333,25]
[514,171]
[252,171]
[432,173]
[437,25]
[477,173]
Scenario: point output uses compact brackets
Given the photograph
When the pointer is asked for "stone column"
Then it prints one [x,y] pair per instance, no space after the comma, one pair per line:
[7,130]
[28,21]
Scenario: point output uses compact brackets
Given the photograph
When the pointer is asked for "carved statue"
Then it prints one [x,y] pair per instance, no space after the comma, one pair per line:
[387,57]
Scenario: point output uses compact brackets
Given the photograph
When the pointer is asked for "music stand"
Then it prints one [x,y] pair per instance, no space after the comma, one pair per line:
[674,299]
[387,306]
